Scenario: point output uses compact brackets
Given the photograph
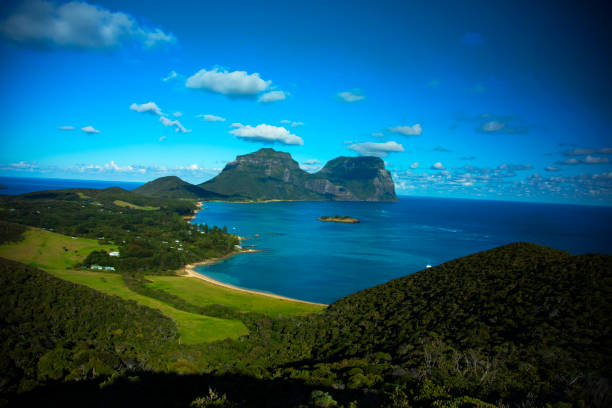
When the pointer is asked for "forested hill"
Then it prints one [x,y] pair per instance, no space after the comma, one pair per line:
[151,233]
[174,187]
[516,321]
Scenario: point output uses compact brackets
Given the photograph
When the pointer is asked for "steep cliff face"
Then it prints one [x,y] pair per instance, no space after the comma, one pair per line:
[271,175]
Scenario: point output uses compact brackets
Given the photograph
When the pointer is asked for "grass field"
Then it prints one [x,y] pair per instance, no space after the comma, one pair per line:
[134,206]
[193,328]
[48,250]
[58,253]
[199,292]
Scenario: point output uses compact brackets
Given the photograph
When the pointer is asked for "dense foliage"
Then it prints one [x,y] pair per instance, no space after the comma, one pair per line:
[52,330]
[174,187]
[521,325]
[11,232]
[151,232]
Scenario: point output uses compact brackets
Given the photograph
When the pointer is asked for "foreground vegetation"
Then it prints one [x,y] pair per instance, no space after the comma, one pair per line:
[517,326]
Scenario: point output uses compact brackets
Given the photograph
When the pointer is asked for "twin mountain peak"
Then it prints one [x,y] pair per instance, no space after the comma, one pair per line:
[268,174]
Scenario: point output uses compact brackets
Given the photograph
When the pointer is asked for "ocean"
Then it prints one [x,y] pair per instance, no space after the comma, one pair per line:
[321,261]
[22,185]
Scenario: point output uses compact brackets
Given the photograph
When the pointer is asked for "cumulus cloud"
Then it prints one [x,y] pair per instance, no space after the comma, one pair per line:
[414,130]
[77,25]
[177,114]
[20,166]
[292,124]
[149,107]
[551,168]
[272,96]
[90,130]
[178,127]
[583,151]
[492,126]
[414,165]
[350,96]
[442,149]
[211,118]
[378,134]
[265,134]
[514,167]
[437,166]
[234,84]
[595,160]
[376,149]
[66,127]
[585,160]
[310,165]
[170,76]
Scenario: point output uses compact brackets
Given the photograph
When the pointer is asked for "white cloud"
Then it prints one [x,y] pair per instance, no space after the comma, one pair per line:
[595,160]
[272,96]
[149,107]
[161,139]
[170,76]
[66,127]
[492,126]
[236,83]
[211,118]
[292,124]
[414,130]
[378,134]
[551,168]
[310,165]
[77,25]
[376,149]
[167,122]
[236,125]
[90,130]
[266,134]
[177,114]
[437,166]
[348,96]
[414,165]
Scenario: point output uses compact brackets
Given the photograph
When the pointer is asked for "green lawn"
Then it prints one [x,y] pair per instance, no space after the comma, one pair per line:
[199,292]
[48,250]
[134,206]
[58,253]
[193,328]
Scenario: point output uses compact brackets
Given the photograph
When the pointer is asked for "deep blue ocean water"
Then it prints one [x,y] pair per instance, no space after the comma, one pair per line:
[22,185]
[318,261]
[322,262]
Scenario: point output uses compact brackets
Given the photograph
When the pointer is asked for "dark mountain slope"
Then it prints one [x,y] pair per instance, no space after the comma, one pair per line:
[513,320]
[174,187]
[271,175]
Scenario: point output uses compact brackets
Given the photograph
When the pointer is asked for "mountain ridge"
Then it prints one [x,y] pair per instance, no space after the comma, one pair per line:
[268,174]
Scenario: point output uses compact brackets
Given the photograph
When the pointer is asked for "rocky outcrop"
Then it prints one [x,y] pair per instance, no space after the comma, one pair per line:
[272,175]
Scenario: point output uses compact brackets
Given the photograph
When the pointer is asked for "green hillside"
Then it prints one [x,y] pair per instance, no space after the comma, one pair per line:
[174,187]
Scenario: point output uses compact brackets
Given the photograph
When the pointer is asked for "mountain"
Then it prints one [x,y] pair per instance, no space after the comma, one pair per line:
[268,174]
[174,187]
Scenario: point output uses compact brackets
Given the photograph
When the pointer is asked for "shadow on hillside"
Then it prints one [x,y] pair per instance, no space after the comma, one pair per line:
[145,389]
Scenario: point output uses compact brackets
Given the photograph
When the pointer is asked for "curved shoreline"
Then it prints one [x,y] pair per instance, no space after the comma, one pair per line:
[191,273]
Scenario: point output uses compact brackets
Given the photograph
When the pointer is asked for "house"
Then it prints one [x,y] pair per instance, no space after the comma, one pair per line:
[96,267]
[114,253]
[109,268]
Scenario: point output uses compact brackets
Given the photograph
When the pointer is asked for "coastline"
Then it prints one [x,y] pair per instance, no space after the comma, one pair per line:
[199,207]
[190,272]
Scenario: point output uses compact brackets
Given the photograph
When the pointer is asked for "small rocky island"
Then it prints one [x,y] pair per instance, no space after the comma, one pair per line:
[339,218]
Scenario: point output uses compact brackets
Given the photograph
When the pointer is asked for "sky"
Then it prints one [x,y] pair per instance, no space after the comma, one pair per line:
[505,100]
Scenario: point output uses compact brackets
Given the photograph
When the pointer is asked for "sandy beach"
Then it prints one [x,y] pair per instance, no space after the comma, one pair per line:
[190,272]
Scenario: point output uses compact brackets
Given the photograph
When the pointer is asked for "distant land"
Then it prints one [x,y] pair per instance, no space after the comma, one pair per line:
[339,218]
[268,174]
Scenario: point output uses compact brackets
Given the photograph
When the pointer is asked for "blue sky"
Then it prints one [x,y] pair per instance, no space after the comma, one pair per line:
[497,100]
